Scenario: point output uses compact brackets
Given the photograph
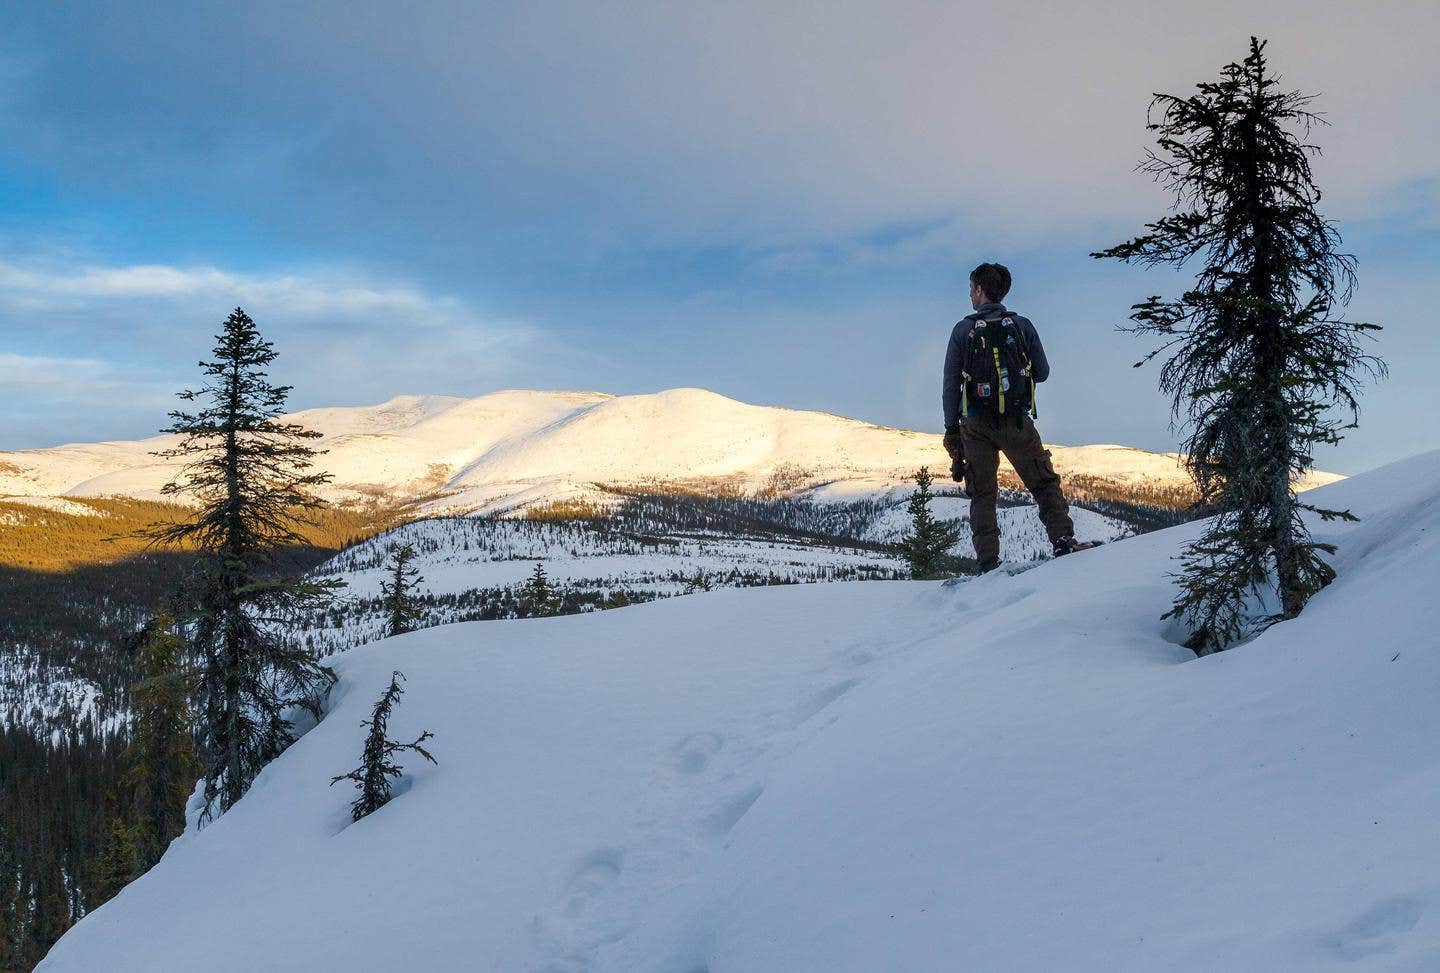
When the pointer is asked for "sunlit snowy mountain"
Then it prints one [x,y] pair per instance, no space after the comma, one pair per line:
[513,450]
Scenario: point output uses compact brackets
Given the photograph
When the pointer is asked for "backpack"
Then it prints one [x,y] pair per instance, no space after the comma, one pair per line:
[996,369]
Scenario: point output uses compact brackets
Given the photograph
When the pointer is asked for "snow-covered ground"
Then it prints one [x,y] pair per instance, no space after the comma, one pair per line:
[1022,536]
[464,555]
[510,450]
[478,557]
[11,518]
[1005,773]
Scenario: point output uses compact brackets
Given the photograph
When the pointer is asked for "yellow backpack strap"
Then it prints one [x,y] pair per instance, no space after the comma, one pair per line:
[999,382]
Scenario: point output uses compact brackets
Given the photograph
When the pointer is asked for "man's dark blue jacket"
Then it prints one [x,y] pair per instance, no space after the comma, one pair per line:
[954,377]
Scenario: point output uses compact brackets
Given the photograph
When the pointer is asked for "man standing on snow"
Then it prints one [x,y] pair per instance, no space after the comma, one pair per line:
[992,365]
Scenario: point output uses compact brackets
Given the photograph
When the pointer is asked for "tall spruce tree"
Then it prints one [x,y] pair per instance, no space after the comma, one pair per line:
[161,756]
[929,539]
[252,477]
[1261,369]
[397,595]
[377,767]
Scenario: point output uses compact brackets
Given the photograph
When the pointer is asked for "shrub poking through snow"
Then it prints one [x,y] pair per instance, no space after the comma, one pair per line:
[377,767]
[929,539]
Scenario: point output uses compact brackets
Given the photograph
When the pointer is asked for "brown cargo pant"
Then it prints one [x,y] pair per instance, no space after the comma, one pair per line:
[985,439]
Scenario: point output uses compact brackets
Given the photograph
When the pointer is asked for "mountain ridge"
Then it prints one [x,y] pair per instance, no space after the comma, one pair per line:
[518,448]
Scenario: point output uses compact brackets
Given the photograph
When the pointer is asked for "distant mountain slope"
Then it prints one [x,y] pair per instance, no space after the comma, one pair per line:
[522,448]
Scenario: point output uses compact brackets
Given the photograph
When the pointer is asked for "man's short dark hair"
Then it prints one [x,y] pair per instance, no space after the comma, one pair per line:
[994,280]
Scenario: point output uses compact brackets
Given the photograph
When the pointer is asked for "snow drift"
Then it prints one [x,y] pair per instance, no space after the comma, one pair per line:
[1019,773]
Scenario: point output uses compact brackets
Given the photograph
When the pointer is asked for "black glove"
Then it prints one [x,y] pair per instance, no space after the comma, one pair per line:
[958,470]
[954,445]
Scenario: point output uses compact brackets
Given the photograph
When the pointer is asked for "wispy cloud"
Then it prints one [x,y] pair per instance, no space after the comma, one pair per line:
[324,294]
[82,337]
[43,371]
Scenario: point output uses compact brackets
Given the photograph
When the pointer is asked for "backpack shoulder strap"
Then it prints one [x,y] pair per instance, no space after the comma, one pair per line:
[1011,320]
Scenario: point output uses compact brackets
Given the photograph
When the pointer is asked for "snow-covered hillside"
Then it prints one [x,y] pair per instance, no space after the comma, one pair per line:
[474,566]
[508,450]
[1003,773]
[52,699]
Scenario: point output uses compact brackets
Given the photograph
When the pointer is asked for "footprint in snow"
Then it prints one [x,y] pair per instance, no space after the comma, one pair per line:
[860,657]
[728,814]
[1378,930]
[826,697]
[593,874]
[693,753]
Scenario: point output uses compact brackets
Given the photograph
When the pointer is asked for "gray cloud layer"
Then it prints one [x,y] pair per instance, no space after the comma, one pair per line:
[711,122]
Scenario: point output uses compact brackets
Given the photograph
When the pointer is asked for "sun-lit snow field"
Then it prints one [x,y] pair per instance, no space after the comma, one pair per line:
[1006,773]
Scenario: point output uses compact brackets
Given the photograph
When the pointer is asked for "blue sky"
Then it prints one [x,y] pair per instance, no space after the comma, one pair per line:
[779,202]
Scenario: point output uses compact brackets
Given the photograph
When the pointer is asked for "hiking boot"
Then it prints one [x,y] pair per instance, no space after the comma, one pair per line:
[1069,545]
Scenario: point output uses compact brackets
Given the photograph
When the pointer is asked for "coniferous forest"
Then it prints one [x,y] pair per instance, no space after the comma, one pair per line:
[80,593]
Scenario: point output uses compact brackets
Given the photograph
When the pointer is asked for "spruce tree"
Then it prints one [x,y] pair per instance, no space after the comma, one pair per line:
[251,476]
[161,756]
[51,915]
[377,768]
[397,595]
[929,539]
[1261,367]
[119,863]
[538,598]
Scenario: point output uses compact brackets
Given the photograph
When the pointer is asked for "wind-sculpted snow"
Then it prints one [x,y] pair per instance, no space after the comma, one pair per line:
[1005,773]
